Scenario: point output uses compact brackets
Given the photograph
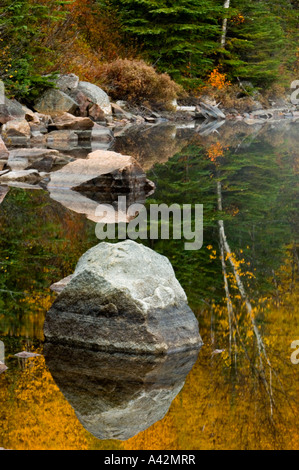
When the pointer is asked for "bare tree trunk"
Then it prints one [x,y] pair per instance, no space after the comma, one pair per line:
[260,343]
[224,25]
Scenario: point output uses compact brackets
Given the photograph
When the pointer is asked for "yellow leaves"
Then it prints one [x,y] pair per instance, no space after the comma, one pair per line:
[238,19]
[218,80]
[39,417]
[215,151]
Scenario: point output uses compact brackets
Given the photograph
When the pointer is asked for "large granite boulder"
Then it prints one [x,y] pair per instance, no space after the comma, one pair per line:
[116,396]
[54,101]
[123,297]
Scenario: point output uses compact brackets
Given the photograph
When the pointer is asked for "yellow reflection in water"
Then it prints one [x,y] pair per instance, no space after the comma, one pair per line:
[228,401]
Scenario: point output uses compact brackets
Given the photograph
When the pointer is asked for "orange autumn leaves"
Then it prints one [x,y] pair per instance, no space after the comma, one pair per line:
[218,80]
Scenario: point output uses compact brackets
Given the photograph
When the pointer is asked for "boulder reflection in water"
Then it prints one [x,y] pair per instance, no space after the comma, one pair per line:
[116,396]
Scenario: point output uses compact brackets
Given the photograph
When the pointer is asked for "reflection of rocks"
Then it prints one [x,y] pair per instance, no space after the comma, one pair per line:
[100,178]
[116,396]
[3,191]
[21,176]
[3,367]
[150,145]
[36,158]
[3,154]
[123,297]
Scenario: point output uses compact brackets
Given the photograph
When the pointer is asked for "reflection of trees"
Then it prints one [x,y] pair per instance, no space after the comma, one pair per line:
[149,145]
[39,417]
[40,243]
[254,194]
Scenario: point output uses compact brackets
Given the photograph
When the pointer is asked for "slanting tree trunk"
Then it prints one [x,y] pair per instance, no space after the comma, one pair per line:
[224,25]
[240,285]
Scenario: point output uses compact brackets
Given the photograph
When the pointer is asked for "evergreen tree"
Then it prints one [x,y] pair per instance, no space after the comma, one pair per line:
[179,37]
[255,43]
[23,57]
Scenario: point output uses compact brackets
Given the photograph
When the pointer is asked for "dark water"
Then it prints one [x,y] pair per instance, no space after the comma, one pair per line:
[242,391]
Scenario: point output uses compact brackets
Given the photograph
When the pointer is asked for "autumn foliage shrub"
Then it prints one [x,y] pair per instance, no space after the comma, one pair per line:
[137,82]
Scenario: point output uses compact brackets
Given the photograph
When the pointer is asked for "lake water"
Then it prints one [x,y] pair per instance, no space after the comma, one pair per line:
[241,390]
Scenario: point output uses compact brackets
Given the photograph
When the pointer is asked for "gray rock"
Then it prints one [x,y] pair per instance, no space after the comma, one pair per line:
[123,297]
[208,111]
[54,101]
[101,134]
[70,122]
[67,83]
[9,110]
[31,116]
[15,109]
[26,354]
[120,112]
[116,396]
[87,107]
[16,128]
[60,285]
[263,113]
[100,178]
[101,172]
[3,368]
[22,176]
[32,158]
[62,136]
[96,95]
[3,192]
[4,114]
[3,154]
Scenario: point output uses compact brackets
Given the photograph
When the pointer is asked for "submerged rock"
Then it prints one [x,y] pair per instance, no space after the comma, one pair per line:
[123,297]
[116,396]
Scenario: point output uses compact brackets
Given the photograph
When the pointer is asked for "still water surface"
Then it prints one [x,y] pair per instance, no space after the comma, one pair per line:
[241,391]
